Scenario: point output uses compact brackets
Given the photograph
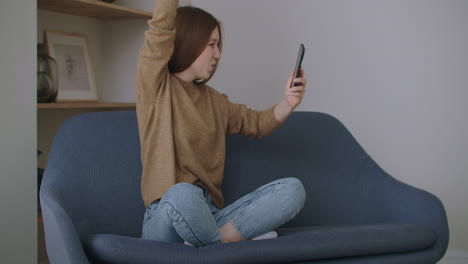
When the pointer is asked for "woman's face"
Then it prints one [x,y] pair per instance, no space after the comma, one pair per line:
[205,65]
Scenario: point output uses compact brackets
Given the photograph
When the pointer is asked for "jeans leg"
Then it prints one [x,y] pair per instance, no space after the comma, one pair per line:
[157,227]
[182,215]
[265,209]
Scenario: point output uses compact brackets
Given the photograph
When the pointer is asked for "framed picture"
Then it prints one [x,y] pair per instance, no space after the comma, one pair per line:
[75,72]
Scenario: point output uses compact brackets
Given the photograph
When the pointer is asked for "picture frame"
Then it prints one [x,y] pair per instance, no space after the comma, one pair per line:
[75,72]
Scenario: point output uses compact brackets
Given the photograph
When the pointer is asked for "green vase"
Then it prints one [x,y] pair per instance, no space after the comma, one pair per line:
[47,77]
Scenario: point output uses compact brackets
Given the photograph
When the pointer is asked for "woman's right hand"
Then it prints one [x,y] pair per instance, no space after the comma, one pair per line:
[295,89]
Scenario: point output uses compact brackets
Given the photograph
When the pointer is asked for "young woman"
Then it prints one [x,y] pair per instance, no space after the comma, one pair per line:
[183,124]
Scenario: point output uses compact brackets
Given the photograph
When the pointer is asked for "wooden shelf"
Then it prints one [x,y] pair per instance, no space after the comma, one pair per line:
[84,105]
[92,8]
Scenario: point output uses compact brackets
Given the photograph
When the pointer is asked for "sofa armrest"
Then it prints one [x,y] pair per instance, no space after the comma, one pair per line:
[407,204]
[378,196]
[381,198]
[62,241]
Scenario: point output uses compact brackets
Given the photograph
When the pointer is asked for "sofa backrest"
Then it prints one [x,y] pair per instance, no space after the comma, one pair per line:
[94,172]
[94,169]
[337,173]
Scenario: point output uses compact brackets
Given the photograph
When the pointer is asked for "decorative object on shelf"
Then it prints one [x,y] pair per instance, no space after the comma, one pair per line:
[76,77]
[47,76]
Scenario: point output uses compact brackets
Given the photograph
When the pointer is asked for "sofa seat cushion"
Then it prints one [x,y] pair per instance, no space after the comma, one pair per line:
[293,244]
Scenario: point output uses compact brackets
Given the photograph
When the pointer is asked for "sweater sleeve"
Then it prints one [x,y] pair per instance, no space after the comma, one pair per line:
[251,123]
[157,50]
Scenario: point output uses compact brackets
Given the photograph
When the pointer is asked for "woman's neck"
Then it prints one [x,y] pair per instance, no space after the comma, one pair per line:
[185,76]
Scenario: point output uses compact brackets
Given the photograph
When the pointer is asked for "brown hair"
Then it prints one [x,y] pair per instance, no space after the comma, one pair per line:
[193,31]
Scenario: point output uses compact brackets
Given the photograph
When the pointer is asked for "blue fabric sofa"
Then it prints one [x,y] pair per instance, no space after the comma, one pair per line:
[355,212]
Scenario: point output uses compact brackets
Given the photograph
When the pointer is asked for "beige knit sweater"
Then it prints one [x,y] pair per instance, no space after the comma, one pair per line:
[183,125]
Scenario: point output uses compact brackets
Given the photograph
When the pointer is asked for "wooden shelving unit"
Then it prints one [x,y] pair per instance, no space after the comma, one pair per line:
[84,105]
[92,8]
[59,111]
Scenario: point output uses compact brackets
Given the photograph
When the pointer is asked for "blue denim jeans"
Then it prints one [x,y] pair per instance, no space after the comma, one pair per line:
[187,213]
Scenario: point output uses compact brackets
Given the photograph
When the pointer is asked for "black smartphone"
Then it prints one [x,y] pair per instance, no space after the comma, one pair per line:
[297,69]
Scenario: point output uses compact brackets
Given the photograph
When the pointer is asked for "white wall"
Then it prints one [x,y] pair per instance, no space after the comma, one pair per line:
[395,72]
[18,172]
